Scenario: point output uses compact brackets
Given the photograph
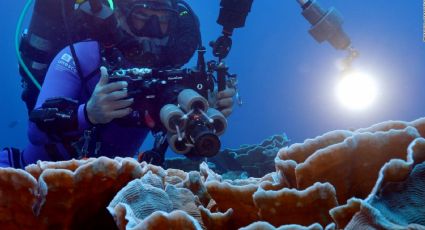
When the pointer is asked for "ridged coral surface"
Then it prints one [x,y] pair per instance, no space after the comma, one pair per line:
[369,178]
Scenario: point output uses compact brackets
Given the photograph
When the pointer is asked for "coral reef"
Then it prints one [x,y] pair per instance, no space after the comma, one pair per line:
[64,195]
[19,192]
[284,206]
[247,161]
[397,198]
[370,178]
[266,226]
[141,199]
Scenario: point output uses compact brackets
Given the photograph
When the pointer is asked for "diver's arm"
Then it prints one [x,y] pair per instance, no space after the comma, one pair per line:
[62,80]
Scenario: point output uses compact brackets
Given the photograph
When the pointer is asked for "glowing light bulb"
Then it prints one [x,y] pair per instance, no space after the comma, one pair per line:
[357,91]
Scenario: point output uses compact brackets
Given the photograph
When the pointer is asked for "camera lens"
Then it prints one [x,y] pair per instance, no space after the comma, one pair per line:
[206,143]
[189,100]
[171,116]
[180,146]
[220,122]
[177,146]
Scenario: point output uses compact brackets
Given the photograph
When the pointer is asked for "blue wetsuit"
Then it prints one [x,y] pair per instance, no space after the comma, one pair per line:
[62,80]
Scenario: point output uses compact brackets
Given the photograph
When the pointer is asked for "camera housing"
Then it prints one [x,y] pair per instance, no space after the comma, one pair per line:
[176,100]
[153,89]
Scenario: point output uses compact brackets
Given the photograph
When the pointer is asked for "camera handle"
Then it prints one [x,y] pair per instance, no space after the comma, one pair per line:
[221,76]
[224,78]
[222,46]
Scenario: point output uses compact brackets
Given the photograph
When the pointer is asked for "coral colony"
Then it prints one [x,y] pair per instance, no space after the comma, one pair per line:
[369,178]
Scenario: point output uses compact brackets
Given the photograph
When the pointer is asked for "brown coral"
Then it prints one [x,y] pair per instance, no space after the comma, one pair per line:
[147,195]
[290,206]
[357,161]
[418,124]
[15,209]
[63,198]
[300,152]
[216,221]
[238,198]
[36,169]
[346,162]
[194,183]
[266,226]
[174,220]
[175,176]
[78,187]
[397,198]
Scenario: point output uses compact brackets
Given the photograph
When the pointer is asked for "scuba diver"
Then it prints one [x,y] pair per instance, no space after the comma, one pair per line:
[148,33]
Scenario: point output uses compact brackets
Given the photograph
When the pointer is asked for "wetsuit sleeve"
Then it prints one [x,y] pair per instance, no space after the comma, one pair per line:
[62,80]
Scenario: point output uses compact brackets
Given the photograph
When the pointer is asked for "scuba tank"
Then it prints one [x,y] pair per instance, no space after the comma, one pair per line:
[55,24]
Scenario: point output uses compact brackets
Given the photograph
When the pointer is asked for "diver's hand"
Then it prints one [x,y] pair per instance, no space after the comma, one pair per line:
[107,101]
[225,101]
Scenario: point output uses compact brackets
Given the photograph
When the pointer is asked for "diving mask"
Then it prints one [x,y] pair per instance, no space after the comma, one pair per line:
[149,18]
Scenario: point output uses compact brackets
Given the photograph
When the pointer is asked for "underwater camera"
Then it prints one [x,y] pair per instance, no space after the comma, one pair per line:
[175,101]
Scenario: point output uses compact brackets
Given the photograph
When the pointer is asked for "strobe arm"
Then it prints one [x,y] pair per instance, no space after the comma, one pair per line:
[233,14]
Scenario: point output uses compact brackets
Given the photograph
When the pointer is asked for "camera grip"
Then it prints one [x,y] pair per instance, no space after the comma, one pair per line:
[221,76]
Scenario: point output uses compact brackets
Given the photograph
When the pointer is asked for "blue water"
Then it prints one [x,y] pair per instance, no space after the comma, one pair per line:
[286,78]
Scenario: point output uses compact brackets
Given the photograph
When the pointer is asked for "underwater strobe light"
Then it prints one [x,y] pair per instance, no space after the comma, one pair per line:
[356,90]
[193,125]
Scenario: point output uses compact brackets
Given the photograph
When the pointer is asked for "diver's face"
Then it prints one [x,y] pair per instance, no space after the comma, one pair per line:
[140,16]
[146,16]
